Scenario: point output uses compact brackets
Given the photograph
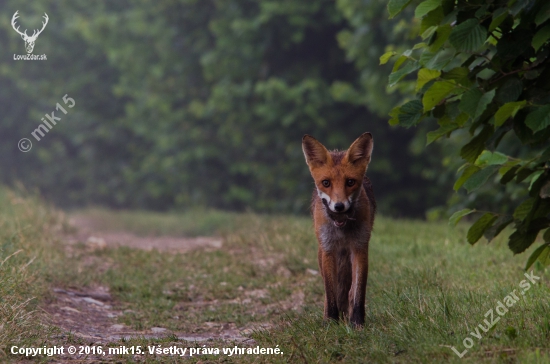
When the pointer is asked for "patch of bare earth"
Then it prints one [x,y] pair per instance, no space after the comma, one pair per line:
[90,232]
[91,314]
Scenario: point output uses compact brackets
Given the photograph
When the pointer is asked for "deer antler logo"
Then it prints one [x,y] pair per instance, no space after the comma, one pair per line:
[29,41]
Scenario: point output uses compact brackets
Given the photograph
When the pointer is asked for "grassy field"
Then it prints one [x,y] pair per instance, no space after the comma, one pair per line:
[428,289]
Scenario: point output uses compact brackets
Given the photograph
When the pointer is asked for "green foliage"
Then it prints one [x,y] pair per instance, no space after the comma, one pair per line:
[396,6]
[480,226]
[457,216]
[489,61]
[184,103]
[541,254]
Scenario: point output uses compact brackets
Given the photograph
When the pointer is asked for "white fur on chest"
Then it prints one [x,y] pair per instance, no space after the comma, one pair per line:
[332,237]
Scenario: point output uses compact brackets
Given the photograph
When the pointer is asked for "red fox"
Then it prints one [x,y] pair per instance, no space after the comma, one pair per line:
[343,209]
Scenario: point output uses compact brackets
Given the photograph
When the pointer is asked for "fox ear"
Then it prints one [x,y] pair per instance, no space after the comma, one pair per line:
[316,154]
[360,150]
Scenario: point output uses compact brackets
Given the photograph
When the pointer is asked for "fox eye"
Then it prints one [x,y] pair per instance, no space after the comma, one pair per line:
[326,183]
[350,182]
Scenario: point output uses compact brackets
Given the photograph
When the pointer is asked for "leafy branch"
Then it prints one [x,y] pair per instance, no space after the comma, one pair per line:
[491,98]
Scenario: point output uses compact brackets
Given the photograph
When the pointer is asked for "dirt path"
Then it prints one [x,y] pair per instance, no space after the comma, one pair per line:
[91,314]
[90,232]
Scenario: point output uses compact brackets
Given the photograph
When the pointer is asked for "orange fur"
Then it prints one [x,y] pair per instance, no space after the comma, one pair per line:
[343,209]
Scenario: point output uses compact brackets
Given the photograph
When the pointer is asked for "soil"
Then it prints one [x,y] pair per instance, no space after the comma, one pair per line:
[89,231]
[91,314]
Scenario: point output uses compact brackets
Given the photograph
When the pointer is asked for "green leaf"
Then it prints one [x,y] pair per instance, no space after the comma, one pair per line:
[497,227]
[508,110]
[425,7]
[429,33]
[487,158]
[424,76]
[461,119]
[542,252]
[396,6]
[523,173]
[386,57]
[457,73]
[479,178]
[433,18]
[478,228]
[544,257]
[510,91]
[498,18]
[398,75]
[436,93]
[443,130]
[441,35]
[534,178]
[474,102]
[394,113]
[410,113]
[436,60]
[543,14]
[508,166]
[468,172]
[399,62]
[468,36]
[473,149]
[545,190]
[541,37]
[539,119]
[523,209]
[457,216]
[509,175]
[520,241]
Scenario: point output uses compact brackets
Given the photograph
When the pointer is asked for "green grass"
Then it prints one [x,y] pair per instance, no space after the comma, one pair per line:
[195,222]
[427,290]
[26,250]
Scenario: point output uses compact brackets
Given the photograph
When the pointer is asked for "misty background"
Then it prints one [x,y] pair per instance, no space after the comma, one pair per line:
[186,103]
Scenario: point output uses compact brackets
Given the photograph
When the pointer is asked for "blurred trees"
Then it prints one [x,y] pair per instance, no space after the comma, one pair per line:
[187,102]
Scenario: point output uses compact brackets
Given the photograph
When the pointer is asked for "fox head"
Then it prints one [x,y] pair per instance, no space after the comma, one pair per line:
[338,175]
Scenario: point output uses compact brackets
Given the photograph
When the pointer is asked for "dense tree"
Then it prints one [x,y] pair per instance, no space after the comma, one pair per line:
[483,67]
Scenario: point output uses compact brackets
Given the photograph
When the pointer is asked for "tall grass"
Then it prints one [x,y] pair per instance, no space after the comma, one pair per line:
[26,249]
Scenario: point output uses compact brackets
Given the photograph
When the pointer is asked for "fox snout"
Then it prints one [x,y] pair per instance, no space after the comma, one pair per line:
[335,205]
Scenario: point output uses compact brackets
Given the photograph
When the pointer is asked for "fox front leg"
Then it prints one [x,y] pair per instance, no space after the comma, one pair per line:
[359,271]
[327,264]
